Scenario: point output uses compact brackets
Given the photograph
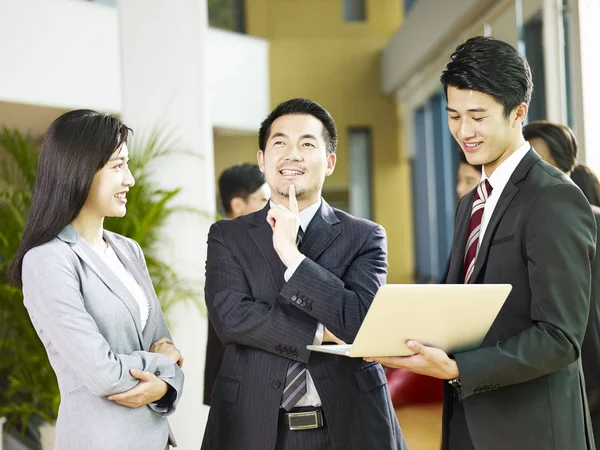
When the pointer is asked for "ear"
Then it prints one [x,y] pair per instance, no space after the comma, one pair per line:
[237,205]
[519,114]
[260,157]
[331,160]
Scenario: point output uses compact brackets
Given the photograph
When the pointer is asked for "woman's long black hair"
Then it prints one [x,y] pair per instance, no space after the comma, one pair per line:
[76,146]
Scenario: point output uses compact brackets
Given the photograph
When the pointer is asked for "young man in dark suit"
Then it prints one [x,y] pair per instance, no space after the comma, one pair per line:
[242,190]
[527,225]
[296,273]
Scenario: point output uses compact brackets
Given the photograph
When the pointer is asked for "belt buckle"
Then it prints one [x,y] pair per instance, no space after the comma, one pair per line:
[305,420]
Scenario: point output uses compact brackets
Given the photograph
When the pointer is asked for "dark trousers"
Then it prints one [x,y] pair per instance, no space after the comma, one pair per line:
[315,439]
[458,431]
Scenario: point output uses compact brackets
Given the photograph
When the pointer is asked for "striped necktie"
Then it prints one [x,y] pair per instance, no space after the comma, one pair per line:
[295,378]
[481,195]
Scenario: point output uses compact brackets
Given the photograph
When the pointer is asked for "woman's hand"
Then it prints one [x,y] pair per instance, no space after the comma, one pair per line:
[149,390]
[166,347]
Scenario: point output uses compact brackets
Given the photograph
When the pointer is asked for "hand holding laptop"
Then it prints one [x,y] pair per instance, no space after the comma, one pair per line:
[429,361]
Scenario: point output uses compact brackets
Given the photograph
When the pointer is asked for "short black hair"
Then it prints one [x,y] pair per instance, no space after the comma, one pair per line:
[241,180]
[587,181]
[493,67]
[560,141]
[298,106]
[463,160]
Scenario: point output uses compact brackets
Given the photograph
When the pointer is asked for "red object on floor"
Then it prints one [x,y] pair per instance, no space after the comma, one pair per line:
[407,388]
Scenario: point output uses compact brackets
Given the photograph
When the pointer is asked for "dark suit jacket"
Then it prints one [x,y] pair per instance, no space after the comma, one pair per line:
[267,322]
[590,350]
[215,351]
[524,389]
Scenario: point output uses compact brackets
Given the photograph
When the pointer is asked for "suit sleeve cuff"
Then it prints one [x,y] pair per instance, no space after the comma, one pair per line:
[319,335]
[292,268]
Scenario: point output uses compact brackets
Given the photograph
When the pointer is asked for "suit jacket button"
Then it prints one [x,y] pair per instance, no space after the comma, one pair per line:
[157,373]
[294,298]
[276,384]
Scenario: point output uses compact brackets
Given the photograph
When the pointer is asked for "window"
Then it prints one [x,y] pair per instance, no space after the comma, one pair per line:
[227,15]
[354,11]
[408,6]
[533,39]
[359,152]
[433,183]
[566,12]
[105,2]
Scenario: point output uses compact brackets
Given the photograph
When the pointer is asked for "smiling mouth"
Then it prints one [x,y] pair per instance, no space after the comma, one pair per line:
[121,196]
[470,146]
[290,172]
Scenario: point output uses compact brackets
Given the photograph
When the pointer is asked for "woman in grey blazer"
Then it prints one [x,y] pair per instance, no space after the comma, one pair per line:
[89,295]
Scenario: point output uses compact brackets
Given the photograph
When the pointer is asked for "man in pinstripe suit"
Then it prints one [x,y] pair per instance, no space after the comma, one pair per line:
[296,273]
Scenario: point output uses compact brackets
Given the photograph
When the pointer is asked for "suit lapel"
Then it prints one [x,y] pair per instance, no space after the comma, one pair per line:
[455,273]
[509,192]
[318,237]
[108,277]
[506,197]
[131,263]
[321,232]
[262,235]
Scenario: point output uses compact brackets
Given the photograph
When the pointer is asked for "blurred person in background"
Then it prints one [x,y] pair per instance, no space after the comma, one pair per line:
[588,182]
[557,145]
[467,177]
[89,295]
[242,190]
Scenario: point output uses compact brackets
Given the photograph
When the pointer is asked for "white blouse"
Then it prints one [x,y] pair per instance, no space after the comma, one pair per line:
[112,260]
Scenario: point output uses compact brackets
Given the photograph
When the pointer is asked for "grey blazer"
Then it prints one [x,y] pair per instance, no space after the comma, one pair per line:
[90,326]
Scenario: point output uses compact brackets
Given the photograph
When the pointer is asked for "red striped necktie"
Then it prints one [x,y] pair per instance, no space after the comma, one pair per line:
[481,195]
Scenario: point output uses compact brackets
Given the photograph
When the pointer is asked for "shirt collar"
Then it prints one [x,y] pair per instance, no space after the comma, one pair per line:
[505,170]
[307,214]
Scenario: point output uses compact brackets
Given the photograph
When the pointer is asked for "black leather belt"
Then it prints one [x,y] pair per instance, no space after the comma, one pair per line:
[303,418]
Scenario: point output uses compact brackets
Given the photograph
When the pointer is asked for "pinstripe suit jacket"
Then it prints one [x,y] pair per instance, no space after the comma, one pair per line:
[91,327]
[267,322]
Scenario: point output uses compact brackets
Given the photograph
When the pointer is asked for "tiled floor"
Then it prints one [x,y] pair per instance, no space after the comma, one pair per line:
[421,425]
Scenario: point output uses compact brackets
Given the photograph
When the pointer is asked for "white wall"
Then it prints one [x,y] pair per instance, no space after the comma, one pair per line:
[65,54]
[238,80]
[165,85]
[585,80]
[59,53]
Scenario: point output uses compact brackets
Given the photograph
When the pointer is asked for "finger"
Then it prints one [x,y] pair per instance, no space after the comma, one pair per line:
[141,375]
[293,202]
[163,340]
[272,217]
[123,396]
[180,362]
[417,347]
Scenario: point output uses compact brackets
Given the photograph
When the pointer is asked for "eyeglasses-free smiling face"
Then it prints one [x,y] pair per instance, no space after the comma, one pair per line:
[477,122]
[108,193]
[296,153]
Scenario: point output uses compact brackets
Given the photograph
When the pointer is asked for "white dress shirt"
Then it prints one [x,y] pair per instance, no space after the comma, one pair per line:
[112,260]
[311,398]
[498,181]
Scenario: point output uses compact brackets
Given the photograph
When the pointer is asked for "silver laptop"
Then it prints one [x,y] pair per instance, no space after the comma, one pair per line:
[453,317]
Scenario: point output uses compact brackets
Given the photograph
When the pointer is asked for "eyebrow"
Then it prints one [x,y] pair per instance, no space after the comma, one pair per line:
[480,109]
[304,136]
[119,158]
[276,135]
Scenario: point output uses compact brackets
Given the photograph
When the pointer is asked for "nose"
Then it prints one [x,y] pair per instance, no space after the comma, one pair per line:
[129,180]
[465,129]
[293,153]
